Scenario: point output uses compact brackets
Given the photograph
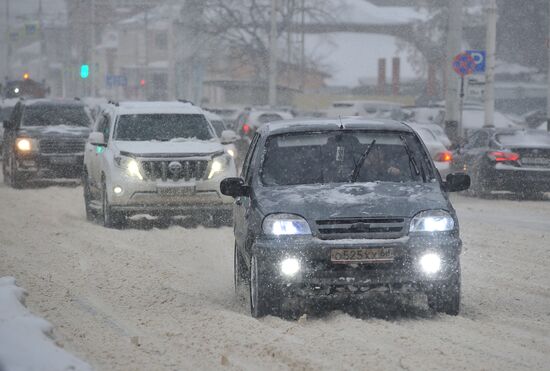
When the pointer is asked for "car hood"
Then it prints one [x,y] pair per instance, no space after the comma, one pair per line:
[378,199]
[184,148]
[55,131]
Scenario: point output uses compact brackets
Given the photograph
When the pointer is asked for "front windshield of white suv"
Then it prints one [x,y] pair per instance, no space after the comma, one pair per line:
[162,127]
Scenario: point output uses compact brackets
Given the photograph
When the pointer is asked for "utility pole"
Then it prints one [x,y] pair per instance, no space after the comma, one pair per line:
[8,40]
[273,56]
[548,97]
[453,126]
[303,47]
[490,68]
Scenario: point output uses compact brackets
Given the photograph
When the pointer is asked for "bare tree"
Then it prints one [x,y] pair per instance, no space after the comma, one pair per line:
[243,26]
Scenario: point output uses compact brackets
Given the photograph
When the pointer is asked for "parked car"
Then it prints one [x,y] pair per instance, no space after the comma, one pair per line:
[439,151]
[156,158]
[370,109]
[514,160]
[330,210]
[250,120]
[44,138]
[229,114]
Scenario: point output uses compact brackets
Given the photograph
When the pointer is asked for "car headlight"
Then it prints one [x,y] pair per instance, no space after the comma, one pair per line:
[26,144]
[432,221]
[130,165]
[285,225]
[219,165]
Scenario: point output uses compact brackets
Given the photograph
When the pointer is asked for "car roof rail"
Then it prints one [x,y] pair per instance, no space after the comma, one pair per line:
[186,101]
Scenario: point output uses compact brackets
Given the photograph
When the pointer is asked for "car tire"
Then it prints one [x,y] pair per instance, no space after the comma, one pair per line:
[239,274]
[260,298]
[111,219]
[445,297]
[90,214]
[14,178]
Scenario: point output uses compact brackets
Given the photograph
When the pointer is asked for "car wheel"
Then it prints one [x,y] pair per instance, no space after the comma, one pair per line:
[111,219]
[14,178]
[445,297]
[90,215]
[259,298]
[239,273]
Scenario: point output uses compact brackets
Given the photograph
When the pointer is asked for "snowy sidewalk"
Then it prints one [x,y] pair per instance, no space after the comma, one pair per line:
[26,341]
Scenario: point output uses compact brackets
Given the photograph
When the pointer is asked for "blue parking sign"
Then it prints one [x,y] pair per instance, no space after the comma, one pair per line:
[479,59]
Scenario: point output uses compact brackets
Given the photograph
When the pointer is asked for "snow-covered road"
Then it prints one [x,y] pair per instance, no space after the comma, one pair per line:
[162,299]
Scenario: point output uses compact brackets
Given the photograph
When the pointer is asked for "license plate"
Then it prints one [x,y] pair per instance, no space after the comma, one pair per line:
[62,160]
[373,255]
[177,191]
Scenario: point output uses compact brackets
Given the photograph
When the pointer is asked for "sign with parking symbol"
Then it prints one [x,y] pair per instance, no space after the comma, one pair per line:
[479,59]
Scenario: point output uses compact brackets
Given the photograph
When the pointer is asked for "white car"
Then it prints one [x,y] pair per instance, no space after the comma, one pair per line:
[156,158]
[368,109]
[438,150]
[227,137]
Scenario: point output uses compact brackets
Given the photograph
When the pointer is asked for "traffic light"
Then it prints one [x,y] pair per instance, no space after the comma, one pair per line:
[84,71]
[142,82]
[26,76]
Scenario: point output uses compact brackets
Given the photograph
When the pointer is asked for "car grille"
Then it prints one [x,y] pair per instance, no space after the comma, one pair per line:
[534,157]
[370,228]
[62,146]
[170,170]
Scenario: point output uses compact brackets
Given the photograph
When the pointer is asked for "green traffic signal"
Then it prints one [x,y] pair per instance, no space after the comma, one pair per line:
[84,71]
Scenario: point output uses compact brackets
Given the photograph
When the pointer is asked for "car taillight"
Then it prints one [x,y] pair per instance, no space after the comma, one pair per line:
[446,156]
[246,128]
[502,156]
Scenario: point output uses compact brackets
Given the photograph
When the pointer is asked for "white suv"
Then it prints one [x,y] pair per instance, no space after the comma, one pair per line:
[156,158]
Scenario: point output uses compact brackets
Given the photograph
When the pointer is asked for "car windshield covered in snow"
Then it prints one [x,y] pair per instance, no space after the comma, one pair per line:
[162,127]
[341,157]
[55,114]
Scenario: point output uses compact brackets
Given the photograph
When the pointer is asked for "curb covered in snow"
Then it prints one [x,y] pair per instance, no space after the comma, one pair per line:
[26,341]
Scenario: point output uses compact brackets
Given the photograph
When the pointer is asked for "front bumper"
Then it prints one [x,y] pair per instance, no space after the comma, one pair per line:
[167,197]
[320,278]
[49,166]
[516,179]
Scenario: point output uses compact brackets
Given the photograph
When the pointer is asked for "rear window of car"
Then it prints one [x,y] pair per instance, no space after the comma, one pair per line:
[525,138]
[332,157]
[269,117]
[52,115]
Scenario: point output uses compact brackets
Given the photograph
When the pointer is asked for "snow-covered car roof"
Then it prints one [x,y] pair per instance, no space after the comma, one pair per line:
[357,123]
[176,107]
[52,102]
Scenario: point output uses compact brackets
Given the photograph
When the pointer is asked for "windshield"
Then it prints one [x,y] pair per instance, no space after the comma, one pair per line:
[162,127]
[332,158]
[52,115]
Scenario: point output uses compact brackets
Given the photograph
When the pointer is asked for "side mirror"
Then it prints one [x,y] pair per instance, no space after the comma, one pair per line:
[97,139]
[234,187]
[228,136]
[457,182]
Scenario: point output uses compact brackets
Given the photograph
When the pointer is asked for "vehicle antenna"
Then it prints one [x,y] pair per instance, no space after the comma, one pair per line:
[341,123]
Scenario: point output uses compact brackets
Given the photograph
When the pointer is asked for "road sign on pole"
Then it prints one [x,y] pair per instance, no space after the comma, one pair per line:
[479,59]
[464,64]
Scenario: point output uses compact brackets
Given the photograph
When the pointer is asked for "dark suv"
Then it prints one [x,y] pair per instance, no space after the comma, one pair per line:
[330,210]
[44,139]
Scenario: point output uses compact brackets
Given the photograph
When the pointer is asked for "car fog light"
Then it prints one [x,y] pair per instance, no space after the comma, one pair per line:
[430,263]
[117,190]
[289,267]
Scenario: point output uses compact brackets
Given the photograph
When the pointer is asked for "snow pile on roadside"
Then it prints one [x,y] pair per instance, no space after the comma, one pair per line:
[25,340]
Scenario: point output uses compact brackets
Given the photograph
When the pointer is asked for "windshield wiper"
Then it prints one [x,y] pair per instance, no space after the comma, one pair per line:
[411,158]
[361,162]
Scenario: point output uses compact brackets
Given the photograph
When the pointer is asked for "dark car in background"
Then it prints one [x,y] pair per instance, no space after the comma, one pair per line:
[513,160]
[44,138]
[330,210]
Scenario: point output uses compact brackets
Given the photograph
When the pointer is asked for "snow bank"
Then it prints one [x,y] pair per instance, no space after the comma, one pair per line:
[26,341]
